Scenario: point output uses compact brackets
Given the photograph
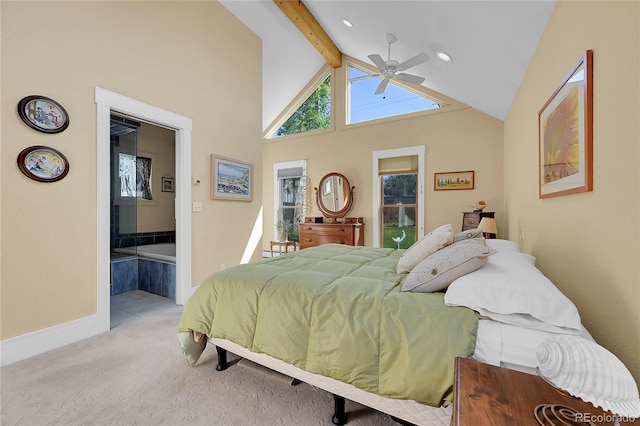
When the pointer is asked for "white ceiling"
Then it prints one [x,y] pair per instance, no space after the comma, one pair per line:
[491,43]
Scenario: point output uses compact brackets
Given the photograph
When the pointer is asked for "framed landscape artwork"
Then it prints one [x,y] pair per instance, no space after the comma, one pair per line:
[231,179]
[565,134]
[453,180]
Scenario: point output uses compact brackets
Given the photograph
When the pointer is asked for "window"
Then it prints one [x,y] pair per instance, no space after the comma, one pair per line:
[398,211]
[365,105]
[399,205]
[291,203]
[313,114]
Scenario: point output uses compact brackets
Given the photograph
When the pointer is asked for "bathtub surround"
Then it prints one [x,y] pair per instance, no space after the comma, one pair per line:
[142,238]
[138,273]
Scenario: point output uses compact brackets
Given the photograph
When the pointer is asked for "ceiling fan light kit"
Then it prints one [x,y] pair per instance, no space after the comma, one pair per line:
[391,69]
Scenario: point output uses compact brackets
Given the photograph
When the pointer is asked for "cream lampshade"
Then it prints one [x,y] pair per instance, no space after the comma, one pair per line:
[488,226]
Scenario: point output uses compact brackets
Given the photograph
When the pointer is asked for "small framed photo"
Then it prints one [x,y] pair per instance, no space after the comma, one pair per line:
[565,134]
[43,114]
[43,164]
[453,180]
[167,184]
[231,179]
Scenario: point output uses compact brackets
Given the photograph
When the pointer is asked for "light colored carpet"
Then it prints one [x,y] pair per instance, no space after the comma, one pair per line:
[135,375]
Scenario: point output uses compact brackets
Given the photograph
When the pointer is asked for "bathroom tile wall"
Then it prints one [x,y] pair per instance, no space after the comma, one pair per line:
[157,277]
[143,274]
[142,238]
[124,275]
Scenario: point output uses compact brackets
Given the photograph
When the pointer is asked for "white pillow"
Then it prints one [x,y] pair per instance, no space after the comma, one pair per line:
[503,245]
[510,289]
[437,271]
[466,235]
[424,247]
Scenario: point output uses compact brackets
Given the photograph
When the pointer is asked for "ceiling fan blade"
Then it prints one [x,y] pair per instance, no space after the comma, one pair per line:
[362,77]
[378,61]
[383,86]
[416,60]
[410,78]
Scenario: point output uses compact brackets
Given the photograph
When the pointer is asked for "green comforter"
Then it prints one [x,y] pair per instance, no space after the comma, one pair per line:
[337,311]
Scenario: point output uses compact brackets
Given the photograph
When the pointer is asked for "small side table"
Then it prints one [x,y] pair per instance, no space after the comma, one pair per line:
[485,395]
[285,244]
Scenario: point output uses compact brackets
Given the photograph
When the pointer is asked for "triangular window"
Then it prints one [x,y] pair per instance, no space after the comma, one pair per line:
[313,114]
[365,105]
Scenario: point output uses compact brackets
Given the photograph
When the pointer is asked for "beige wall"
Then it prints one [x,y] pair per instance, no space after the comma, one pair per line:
[158,215]
[166,54]
[463,139]
[586,243]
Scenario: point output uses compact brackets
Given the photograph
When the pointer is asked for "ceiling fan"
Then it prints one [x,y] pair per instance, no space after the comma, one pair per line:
[392,69]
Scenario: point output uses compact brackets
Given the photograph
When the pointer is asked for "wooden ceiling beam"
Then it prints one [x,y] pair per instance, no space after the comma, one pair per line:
[298,13]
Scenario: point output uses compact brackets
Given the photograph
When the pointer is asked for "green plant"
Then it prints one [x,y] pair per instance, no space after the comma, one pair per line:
[284,229]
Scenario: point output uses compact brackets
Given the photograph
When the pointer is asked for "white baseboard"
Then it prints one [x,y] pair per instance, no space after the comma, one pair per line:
[22,347]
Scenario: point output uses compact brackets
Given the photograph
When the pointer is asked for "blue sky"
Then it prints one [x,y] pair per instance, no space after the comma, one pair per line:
[366,105]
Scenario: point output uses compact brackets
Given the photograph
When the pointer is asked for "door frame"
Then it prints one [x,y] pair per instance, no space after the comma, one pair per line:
[107,102]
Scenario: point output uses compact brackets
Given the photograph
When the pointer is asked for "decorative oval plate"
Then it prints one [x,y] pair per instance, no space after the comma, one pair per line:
[43,164]
[43,114]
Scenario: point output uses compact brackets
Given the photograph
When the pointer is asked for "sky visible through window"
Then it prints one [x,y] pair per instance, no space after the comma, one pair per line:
[365,105]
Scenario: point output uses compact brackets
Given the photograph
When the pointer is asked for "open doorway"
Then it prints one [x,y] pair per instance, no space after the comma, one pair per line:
[109,103]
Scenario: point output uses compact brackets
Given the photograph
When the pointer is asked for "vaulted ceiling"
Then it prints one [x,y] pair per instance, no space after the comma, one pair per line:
[491,43]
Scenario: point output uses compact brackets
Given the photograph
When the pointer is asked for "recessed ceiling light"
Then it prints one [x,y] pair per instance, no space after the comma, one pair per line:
[444,56]
[347,23]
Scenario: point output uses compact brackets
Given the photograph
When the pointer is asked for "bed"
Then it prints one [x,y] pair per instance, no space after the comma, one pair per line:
[378,326]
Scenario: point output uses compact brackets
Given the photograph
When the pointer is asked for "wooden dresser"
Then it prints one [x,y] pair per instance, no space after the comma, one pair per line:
[314,231]
[471,220]
[485,395]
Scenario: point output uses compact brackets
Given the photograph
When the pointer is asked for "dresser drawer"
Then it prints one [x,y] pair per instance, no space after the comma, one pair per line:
[471,221]
[332,229]
[314,234]
[310,240]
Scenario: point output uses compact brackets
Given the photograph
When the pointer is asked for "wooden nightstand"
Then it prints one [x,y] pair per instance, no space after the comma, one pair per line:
[471,220]
[485,395]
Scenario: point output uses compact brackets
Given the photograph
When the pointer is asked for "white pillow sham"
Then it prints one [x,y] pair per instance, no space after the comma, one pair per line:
[437,271]
[429,244]
[510,289]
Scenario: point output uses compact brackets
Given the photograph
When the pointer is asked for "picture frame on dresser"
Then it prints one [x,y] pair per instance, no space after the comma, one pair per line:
[565,134]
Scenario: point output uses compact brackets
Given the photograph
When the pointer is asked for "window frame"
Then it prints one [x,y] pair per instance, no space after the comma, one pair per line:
[277,201]
[393,206]
[419,91]
[447,103]
[418,151]
[325,71]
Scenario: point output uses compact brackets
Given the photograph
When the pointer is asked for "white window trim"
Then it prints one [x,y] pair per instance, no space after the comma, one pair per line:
[390,153]
[325,71]
[276,189]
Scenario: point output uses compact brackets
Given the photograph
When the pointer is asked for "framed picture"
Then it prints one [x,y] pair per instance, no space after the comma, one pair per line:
[453,180]
[43,114]
[43,164]
[167,184]
[565,134]
[231,179]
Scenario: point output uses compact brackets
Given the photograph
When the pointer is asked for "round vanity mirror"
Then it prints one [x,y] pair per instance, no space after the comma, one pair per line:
[334,195]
